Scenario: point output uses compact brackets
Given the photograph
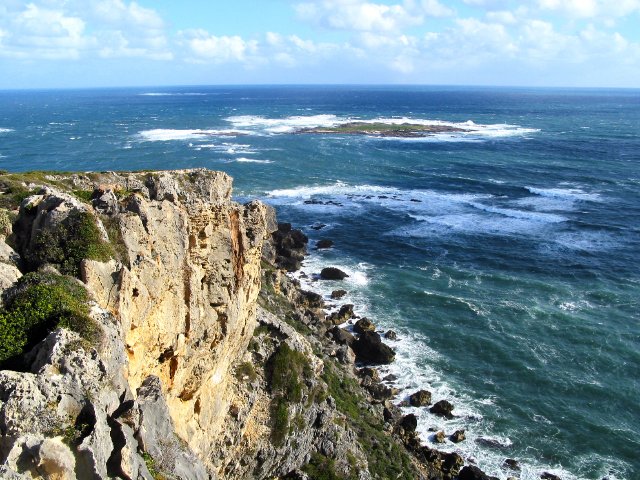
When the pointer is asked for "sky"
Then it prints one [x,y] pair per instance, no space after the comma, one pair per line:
[109,43]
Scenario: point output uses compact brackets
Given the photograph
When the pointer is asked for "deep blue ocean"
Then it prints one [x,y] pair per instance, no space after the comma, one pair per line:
[507,257]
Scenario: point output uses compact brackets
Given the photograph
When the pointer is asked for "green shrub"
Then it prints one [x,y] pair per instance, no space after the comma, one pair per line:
[42,303]
[84,195]
[69,242]
[246,370]
[287,369]
[280,417]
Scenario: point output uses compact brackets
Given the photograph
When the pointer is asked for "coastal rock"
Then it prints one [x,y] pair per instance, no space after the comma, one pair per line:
[364,325]
[341,336]
[511,464]
[332,273]
[439,437]
[471,472]
[324,243]
[342,315]
[420,398]
[369,372]
[442,408]
[338,294]
[391,335]
[549,476]
[290,247]
[409,422]
[381,392]
[457,436]
[370,349]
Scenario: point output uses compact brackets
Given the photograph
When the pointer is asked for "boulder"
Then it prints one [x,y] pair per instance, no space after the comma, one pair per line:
[471,472]
[409,423]
[391,335]
[442,408]
[324,243]
[439,437]
[290,247]
[332,273]
[341,336]
[381,392]
[345,313]
[457,436]
[511,464]
[420,398]
[338,294]
[368,372]
[364,325]
[370,349]
[549,476]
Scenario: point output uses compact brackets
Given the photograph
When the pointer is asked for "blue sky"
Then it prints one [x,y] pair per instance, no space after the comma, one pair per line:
[89,43]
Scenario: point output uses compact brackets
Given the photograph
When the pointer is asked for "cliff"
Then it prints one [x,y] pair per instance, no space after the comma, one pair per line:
[146,332]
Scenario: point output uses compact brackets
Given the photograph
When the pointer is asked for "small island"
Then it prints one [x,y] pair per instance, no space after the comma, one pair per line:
[381,129]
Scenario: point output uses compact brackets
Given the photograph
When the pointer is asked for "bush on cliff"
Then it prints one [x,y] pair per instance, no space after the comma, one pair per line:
[69,242]
[41,303]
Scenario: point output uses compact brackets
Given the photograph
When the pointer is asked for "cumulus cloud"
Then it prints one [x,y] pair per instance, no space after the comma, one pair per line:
[71,29]
[592,8]
[205,47]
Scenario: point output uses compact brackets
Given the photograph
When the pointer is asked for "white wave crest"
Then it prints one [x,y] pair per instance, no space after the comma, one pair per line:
[6,130]
[252,160]
[166,135]
[161,94]
[573,194]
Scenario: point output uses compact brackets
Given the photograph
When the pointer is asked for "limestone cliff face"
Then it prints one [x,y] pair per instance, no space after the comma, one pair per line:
[187,300]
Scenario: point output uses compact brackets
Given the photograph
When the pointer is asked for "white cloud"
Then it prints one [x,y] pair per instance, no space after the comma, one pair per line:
[591,8]
[218,49]
[359,15]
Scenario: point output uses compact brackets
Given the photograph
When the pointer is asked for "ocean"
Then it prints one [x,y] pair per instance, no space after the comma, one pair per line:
[506,257]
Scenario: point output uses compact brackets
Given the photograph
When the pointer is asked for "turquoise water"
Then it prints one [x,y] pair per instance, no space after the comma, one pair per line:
[507,257]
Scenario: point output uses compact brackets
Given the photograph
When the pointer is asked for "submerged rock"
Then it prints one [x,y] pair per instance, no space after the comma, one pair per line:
[324,243]
[549,476]
[391,335]
[332,273]
[338,294]
[511,464]
[457,436]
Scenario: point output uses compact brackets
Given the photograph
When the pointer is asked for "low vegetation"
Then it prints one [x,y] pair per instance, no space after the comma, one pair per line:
[42,302]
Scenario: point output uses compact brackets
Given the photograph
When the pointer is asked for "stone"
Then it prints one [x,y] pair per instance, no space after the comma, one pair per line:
[409,422]
[342,315]
[338,294]
[341,336]
[471,472]
[381,392]
[391,335]
[442,408]
[324,243]
[420,398]
[439,437]
[369,372]
[370,349]
[457,436]
[345,355]
[332,273]
[511,464]
[364,325]
[549,476]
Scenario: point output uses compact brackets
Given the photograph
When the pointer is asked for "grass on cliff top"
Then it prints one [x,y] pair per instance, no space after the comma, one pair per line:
[41,303]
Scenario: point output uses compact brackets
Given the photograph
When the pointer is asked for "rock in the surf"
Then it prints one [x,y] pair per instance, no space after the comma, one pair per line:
[370,349]
[442,408]
[338,294]
[364,325]
[457,436]
[420,398]
[332,273]
[391,335]
[324,243]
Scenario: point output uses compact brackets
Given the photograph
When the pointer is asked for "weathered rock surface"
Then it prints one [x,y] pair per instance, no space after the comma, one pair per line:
[364,325]
[420,398]
[332,273]
[442,408]
[370,349]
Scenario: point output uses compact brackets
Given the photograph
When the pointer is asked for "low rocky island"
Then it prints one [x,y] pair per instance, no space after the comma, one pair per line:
[379,129]
[149,330]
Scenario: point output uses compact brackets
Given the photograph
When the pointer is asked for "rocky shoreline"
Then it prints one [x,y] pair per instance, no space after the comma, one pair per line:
[380,129]
[151,330]
[359,334]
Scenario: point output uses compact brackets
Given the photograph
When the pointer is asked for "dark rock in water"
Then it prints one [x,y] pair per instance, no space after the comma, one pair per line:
[318,226]
[490,442]
[439,437]
[338,294]
[442,408]
[511,464]
[391,335]
[364,325]
[345,313]
[390,378]
[415,200]
[368,372]
[420,398]
[471,472]
[457,436]
[324,244]
[310,300]
[341,336]
[332,273]
[370,349]
[549,476]
[409,423]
